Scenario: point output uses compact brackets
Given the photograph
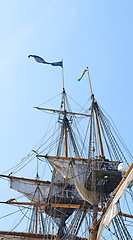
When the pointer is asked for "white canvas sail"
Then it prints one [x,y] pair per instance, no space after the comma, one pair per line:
[36,191]
[75,170]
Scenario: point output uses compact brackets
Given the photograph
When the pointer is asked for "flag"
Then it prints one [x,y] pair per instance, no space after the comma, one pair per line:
[35,152]
[27,156]
[82,74]
[41,60]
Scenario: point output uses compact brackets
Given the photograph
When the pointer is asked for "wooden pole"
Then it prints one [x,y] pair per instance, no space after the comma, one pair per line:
[36,219]
[89,81]
[95,205]
[65,132]
[62,112]
[99,134]
[94,223]
[62,75]
[56,205]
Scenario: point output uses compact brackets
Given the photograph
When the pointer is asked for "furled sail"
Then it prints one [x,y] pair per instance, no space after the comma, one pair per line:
[75,170]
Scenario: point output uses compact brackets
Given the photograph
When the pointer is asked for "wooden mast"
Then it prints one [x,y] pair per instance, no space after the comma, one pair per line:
[97,123]
[98,129]
[36,219]
[36,215]
[65,124]
[95,200]
[65,119]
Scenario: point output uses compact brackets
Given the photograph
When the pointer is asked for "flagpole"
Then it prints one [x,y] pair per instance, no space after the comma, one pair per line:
[63,85]
[89,80]
[62,75]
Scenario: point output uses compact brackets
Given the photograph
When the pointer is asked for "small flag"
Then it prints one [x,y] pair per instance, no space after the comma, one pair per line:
[35,152]
[82,74]
[27,156]
[41,60]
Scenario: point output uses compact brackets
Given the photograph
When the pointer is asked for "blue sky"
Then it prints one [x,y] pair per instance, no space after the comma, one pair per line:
[97,34]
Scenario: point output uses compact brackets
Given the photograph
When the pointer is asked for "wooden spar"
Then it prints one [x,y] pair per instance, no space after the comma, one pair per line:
[94,222]
[125,215]
[65,158]
[32,235]
[98,128]
[36,219]
[95,207]
[89,237]
[54,205]
[62,112]
[65,141]
[65,125]
[93,233]
[26,235]
[99,134]
[89,81]
[62,75]
[97,123]
[65,129]
[27,179]
[72,159]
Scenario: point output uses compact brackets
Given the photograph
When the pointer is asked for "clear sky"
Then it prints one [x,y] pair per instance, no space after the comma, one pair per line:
[93,33]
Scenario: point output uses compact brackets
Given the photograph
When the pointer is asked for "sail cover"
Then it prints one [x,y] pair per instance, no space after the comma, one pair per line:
[112,211]
[75,170]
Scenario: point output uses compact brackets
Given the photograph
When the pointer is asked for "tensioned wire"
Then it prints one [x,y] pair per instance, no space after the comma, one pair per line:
[79,137]
[19,165]
[39,141]
[74,125]
[49,99]
[107,126]
[22,164]
[76,120]
[127,204]
[118,135]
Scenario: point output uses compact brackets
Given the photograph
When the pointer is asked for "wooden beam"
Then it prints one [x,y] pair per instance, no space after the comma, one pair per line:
[62,112]
[30,180]
[32,235]
[125,215]
[99,134]
[27,235]
[54,205]
[66,158]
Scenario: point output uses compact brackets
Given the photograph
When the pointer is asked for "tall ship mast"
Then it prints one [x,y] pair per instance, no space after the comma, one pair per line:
[83,177]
